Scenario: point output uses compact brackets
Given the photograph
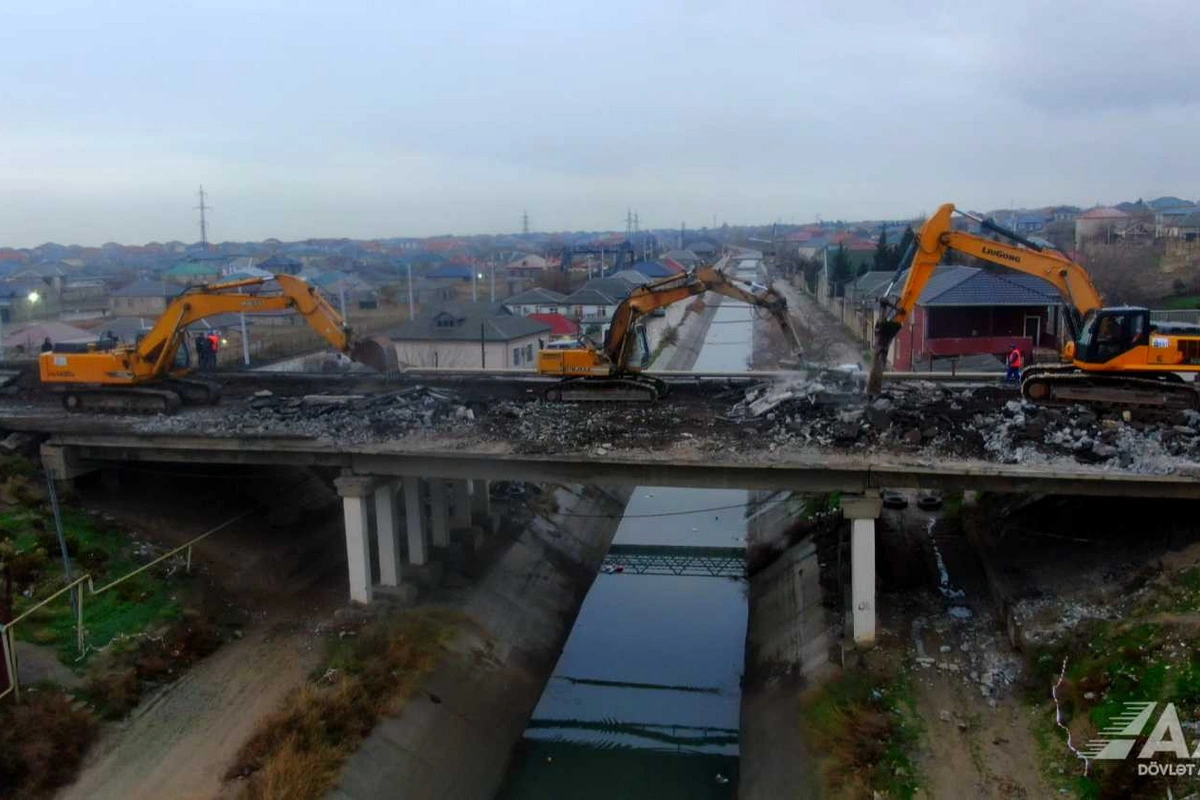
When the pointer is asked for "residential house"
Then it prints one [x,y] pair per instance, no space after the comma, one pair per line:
[706,250]
[527,266]
[1029,224]
[560,326]
[144,298]
[452,272]
[687,258]
[970,311]
[240,264]
[1100,223]
[634,279]
[281,265]
[470,336]
[1188,228]
[1167,221]
[194,273]
[1165,203]
[592,305]
[536,301]
[27,339]
[655,270]
[339,287]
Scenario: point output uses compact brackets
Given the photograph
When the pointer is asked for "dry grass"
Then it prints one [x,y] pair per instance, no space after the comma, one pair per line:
[298,751]
[42,740]
[865,733]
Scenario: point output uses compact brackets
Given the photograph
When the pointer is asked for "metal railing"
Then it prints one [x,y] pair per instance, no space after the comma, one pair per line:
[79,588]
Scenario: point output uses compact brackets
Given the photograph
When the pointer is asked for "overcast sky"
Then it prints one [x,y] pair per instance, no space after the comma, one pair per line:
[367,119]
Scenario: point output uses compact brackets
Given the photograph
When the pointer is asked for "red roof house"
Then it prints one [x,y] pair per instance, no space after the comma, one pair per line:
[559,325]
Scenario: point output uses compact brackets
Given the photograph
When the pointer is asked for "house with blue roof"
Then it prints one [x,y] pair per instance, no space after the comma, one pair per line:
[654,269]
[968,311]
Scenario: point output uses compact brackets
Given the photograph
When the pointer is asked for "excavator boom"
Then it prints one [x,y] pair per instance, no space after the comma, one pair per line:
[592,372]
[148,375]
[1115,356]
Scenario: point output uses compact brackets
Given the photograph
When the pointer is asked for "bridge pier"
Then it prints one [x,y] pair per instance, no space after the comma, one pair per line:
[481,498]
[862,512]
[439,512]
[387,531]
[359,493]
[460,516]
[354,491]
[414,517]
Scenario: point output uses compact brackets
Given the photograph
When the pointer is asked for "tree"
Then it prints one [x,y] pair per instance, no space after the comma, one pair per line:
[811,268]
[841,272]
[1123,273]
[884,258]
[905,241]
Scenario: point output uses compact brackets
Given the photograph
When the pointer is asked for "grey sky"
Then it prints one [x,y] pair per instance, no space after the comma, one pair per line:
[396,118]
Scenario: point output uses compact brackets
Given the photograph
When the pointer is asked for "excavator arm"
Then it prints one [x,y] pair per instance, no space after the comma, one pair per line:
[937,237]
[660,294]
[159,346]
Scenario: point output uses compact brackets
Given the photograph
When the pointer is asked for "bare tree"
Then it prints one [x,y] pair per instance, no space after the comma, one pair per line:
[1124,273]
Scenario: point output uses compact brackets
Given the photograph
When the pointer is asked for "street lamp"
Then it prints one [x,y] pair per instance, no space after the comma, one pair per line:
[34,297]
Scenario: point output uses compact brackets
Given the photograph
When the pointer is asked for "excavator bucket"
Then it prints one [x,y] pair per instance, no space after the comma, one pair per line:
[378,353]
[885,332]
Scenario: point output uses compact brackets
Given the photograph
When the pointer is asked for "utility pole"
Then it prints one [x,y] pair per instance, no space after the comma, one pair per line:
[524,221]
[203,222]
[410,292]
[245,338]
[492,264]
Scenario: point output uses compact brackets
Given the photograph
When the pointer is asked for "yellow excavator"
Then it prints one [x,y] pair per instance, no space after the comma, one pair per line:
[153,374]
[1115,356]
[609,372]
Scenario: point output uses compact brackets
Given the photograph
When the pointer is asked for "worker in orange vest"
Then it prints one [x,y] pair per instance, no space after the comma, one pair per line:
[215,341]
[1015,362]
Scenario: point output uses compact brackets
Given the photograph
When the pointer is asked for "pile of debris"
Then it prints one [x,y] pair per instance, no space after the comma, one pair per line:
[350,419]
[988,422]
[594,428]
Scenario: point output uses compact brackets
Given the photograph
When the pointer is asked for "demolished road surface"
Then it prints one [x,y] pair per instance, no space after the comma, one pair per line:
[811,412]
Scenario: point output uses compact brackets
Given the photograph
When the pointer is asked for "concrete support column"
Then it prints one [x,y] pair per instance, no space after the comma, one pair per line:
[418,548]
[481,497]
[439,512]
[862,513]
[461,514]
[387,531]
[355,491]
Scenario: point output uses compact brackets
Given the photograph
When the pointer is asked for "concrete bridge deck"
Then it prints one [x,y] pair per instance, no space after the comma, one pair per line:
[803,472]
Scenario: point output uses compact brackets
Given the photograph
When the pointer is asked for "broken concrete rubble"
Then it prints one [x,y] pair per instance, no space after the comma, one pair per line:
[812,411]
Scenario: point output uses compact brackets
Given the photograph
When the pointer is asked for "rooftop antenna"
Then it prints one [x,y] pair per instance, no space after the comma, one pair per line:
[203,222]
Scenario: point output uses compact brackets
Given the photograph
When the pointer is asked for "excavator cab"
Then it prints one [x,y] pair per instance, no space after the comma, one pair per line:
[1108,333]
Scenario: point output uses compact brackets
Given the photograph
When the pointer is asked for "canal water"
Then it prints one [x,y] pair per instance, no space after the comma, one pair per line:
[645,697]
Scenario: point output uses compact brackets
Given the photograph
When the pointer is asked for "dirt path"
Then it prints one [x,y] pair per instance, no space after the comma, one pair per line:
[826,340]
[976,739]
[178,742]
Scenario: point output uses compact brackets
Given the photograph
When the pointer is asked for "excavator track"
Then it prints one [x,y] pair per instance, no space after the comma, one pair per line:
[122,400]
[166,397]
[193,391]
[1067,385]
[625,388]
